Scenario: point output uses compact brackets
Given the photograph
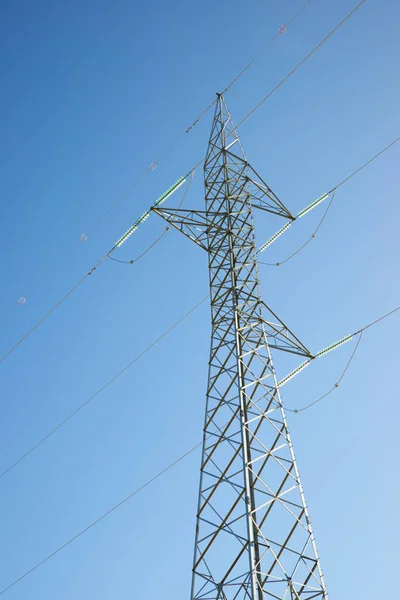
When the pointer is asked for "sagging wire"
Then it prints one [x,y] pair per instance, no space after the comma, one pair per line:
[310,239]
[153,165]
[335,386]
[135,260]
[200,161]
[316,203]
[329,349]
[310,207]
[307,362]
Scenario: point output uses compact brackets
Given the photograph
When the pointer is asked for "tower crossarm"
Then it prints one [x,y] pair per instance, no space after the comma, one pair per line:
[193,224]
[263,197]
[280,336]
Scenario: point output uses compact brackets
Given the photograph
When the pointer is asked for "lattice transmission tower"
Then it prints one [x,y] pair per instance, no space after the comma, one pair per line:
[253,535]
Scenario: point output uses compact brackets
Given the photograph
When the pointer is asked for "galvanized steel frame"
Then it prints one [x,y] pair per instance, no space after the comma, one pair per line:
[253,535]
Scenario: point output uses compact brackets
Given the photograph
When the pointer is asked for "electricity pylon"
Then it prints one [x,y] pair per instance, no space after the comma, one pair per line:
[253,535]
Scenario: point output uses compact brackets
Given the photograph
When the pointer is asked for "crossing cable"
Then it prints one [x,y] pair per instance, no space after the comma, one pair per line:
[161,199]
[280,31]
[108,255]
[146,484]
[331,193]
[23,299]
[317,47]
[154,164]
[102,388]
[198,164]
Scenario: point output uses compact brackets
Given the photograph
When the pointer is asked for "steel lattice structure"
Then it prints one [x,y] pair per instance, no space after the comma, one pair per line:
[253,534]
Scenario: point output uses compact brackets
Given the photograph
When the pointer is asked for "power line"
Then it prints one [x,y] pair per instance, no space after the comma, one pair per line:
[312,236]
[365,164]
[115,377]
[125,499]
[160,473]
[103,516]
[333,192]
[301,63]
[195,167]
[134,260]
[250,64]
[192,171]
[385,316]
[335,386]
[106,385]
[108,255]
[32,329]
[317,47]
[154,165]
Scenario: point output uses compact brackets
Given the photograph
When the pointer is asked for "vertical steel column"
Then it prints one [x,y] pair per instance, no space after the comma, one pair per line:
[253,549]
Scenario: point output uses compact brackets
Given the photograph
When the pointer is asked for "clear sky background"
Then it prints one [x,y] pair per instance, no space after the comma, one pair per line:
[92,93]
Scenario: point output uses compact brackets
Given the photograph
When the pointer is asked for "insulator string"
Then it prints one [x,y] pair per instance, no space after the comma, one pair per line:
[310,239]
[335,386]
[332,192]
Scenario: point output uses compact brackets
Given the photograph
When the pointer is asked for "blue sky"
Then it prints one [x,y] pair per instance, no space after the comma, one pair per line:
[93,92]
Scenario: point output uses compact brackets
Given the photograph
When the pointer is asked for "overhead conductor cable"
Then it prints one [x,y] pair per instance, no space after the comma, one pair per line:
[241,122]
[301,367]
[119,243]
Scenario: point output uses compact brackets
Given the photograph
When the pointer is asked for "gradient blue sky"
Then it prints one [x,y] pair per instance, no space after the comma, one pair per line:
[93,92]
